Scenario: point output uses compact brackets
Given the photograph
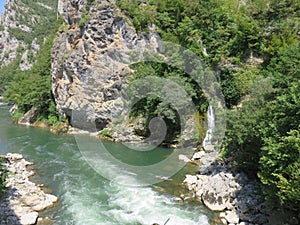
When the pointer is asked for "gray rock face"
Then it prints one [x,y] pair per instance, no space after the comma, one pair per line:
[87,73]
[19,18]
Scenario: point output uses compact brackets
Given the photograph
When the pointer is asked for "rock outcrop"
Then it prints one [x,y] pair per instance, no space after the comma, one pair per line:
[23,199]
[87,76]
[237,198]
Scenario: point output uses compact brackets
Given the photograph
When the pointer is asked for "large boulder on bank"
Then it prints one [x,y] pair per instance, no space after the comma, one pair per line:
[30,117]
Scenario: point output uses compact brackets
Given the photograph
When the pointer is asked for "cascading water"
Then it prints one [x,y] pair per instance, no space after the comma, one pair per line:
[210,126]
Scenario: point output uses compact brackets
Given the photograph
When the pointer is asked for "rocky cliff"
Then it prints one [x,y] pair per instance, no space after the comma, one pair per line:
[23,29]
[86,75]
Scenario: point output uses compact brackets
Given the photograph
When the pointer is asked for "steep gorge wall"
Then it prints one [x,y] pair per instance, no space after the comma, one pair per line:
[86,76]
[20,30]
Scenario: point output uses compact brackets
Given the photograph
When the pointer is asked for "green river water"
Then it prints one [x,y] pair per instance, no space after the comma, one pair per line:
[86,198]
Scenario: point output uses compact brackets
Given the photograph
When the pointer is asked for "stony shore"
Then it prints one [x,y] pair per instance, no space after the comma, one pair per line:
[24,200]
[237,198]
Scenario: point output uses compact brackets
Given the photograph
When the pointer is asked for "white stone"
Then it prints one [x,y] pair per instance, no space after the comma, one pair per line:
[232,217]
[47,203]
[198,155]
[209,148]
[243,223]
[224,221]
[14,156]
[184,158]
[222,214]
[29,218]
[190,179]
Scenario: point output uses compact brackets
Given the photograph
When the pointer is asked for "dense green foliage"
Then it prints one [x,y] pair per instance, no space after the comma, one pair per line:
[224,33]
[7,73]
[255,47]
[33,87]
[263,136]
[154,105]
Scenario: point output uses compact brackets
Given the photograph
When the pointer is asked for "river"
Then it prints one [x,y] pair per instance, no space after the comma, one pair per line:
[85,197]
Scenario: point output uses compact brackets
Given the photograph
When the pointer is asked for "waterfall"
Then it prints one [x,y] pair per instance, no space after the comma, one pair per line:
[210,126]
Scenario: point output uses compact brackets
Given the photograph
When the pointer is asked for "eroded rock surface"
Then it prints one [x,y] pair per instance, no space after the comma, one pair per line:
[87,69]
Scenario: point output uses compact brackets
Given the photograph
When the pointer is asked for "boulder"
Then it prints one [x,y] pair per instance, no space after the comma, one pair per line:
[30,117]
[14,156]
[213,201]
[190,179]
[232,217]
[224,221]
[209,148]
[191,182]
[29,218]
[217,193]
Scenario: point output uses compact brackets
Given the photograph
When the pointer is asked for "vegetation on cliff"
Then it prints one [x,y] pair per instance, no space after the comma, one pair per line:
[24,26]
[255,47]
[32,88]
[263,136]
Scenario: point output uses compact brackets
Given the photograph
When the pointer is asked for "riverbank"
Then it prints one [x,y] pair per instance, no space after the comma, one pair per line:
[239,200]
[215,171]
[23,200]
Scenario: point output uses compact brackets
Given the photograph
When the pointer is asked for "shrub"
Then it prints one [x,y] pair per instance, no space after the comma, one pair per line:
[84,18]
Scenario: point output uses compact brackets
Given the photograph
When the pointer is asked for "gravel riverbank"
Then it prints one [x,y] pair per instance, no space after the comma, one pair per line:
[23,200]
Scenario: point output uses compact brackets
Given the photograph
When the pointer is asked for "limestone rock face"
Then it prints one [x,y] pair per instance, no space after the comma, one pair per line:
[87,74]
[17,24]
